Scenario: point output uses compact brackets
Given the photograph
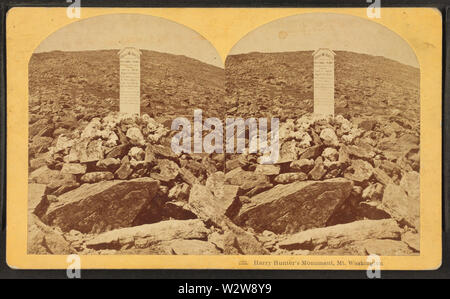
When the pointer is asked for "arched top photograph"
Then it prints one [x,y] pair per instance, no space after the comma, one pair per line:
[80,65]
[375,71]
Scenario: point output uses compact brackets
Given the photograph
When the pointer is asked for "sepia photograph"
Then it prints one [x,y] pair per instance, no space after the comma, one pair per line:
[305,141]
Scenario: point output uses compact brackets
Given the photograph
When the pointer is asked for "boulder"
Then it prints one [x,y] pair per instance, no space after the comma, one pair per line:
[39,161]
[89,151]
[168,170]
[365,153]
[410,182]
[179,192]
[124,171]
[97,176]
[63,183]
[161,151]
[63,143]
[404,209]
[149,158]
[187,176]
[39,145]
[101,206]
[92,130]
[229,200]
[215,182]
[290,177]
[412,240]
[331,154]
[42,239]
[180,210]
[148,234]
[288,152]
[311,152]
[338,235]
[368,125]
[370,210]
[192,247]
[37,200]
[135,136]
[246,180]
[303,165]
[236,162]
[37,126]
[118,151]
[238,241]
[267,169]
[329,137]
[73,168]
[384,247]
[137,153]
[296,206]
[390,168]
[226,194]
[108,164]
[208,207]
[318,171]
[344,156]
[112,139]
[399,146]
[381,176]
[373,192]
[359,171]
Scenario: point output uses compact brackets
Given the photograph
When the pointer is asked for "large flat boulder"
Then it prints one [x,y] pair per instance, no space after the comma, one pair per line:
[381,247]
[146,235]
[205,205]
[103,206]
[247,180]
[385,247]
[340,235]
[294,207]
[403,208]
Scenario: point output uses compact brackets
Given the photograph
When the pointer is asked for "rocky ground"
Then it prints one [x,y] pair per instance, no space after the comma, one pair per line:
[281,85]
[104,183]
[75,86]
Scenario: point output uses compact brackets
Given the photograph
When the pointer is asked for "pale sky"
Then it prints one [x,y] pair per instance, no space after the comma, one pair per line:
[116,31]
[326,30]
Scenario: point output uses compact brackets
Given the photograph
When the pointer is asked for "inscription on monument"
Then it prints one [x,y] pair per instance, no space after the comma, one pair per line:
[324,82]
[130,80]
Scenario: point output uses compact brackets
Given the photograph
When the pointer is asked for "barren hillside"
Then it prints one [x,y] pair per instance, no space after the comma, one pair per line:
[170,84]
[281,84]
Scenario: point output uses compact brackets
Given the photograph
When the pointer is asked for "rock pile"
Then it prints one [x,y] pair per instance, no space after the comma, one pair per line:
[115,186]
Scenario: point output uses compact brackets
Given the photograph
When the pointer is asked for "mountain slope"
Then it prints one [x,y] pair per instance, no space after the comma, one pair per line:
[170,84]
[281,84]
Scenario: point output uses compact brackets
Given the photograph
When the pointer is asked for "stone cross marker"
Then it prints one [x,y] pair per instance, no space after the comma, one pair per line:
[324,81]
[130,80]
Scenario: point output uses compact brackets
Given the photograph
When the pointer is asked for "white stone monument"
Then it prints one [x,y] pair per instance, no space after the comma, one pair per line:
[324,82]
[130,80]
